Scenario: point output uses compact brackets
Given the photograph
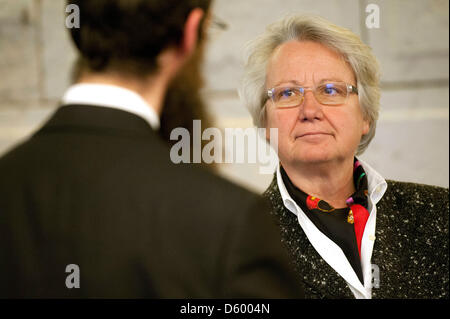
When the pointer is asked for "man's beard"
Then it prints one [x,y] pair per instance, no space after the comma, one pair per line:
[183,102]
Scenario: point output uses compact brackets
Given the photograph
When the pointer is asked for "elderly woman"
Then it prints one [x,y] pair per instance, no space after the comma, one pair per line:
[350,232]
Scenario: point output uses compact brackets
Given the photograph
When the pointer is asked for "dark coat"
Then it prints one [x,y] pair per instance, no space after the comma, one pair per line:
[95,187]
[411,246]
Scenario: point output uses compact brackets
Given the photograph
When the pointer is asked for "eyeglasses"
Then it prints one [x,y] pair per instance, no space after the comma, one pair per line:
[218,23]
[215,27]
[328,93]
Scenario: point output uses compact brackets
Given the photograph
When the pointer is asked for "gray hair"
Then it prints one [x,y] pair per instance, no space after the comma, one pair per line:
[312,28]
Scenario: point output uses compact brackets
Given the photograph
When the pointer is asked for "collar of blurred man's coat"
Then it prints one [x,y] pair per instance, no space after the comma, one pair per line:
[105,95]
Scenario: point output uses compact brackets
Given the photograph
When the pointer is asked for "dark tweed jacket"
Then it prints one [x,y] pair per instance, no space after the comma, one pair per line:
[411,246]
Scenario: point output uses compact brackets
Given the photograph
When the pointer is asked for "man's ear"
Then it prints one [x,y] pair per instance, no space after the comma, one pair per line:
[191,31]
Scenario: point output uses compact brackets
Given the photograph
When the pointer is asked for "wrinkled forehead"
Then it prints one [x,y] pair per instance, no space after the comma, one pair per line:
[306,63]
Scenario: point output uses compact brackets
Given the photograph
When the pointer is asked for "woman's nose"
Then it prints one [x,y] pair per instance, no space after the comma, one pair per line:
[310,109]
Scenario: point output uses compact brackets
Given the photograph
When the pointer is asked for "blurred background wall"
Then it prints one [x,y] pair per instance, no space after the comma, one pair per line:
[411,43]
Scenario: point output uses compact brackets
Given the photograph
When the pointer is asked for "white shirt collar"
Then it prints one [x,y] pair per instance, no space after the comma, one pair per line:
[331,252]
[376,186]
[111,96]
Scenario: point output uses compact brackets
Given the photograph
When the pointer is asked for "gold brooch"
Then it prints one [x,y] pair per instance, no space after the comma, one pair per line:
[350,218]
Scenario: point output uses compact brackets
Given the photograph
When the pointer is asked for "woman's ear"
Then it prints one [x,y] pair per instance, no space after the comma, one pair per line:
[366,127]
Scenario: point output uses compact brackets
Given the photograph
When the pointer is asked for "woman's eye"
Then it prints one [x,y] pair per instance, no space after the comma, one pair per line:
[286,93]
[331,89]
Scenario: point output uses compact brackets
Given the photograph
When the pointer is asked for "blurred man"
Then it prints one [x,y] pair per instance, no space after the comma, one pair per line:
[92,206]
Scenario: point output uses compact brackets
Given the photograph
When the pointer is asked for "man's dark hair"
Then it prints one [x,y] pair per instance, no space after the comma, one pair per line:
[126,36]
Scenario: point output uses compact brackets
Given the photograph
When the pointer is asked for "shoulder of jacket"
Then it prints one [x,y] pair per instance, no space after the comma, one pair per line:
[414,204]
